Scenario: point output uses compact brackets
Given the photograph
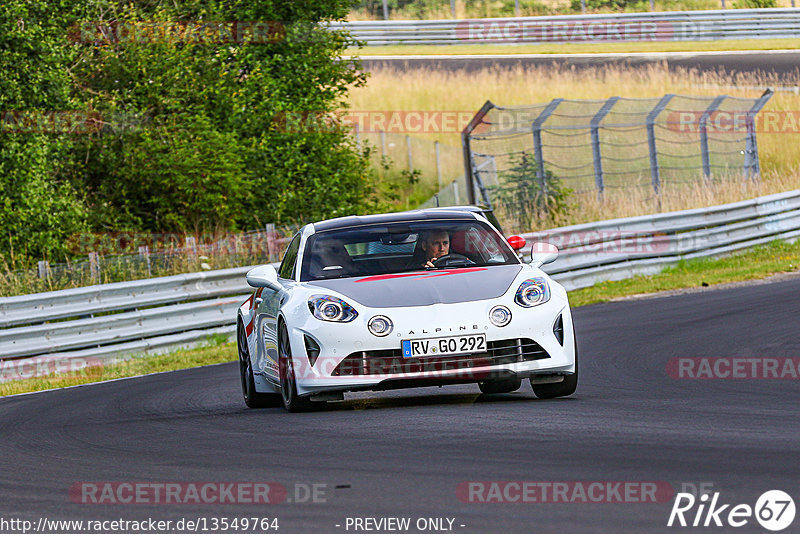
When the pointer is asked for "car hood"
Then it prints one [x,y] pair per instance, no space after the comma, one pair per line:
[423,288]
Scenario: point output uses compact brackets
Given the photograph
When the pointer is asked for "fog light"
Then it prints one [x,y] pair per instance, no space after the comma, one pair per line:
[380,325]
[500,316]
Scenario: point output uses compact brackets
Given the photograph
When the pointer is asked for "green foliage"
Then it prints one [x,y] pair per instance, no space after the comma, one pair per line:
[523,196]
[189,138]
[754,4]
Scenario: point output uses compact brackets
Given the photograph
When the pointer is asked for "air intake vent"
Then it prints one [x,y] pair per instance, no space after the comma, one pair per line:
[558,330]
[312,349]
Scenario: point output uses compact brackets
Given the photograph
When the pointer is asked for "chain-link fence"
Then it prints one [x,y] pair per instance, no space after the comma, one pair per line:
[526,159]
[123,256]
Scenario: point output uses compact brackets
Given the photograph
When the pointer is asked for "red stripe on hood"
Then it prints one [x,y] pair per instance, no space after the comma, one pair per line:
[422,275]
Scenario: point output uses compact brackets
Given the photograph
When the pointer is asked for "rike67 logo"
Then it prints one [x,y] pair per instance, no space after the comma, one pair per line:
[774,510]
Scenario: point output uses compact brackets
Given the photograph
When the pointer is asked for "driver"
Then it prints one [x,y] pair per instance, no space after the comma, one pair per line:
[435,244]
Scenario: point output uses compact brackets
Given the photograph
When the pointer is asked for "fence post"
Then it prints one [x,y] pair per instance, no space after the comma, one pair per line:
[537,141]
[144,252]
[751,159]
[467,148]
[94,266]
[453,7]
[655,178]
[271,245]
[191,245]
[456,200]
[408,148]
[704,134]
[358,137]
[597,158]
[438,165]
[44,269]
[386,9]
[383,144]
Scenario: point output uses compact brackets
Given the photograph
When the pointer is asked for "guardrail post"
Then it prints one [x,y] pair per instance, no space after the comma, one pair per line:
[383,144]
[386,9]
[704,134]
[655,178]
[537,142]
[597,159]
[94,266]
[453,7]
[751,159]
[43,270]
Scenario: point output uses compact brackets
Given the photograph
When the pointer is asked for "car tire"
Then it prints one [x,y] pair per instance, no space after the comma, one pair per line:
[291,400]
[500,385]
[252,398]
[565,388]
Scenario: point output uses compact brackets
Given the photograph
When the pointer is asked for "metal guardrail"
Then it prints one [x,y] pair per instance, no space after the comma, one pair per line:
[621,248]
[159,314]
[770,23]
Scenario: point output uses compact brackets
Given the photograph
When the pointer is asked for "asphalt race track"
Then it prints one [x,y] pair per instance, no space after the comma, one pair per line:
[404,454]
[783,64]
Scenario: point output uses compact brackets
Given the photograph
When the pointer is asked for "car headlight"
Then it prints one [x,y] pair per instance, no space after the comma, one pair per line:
[500,316]
[380,326]
[533,292]
[327,308]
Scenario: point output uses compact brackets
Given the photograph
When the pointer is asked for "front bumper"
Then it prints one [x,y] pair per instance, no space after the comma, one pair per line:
[351,358]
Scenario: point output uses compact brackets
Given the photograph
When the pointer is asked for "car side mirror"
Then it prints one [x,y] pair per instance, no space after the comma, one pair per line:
[543,253]
[263,276]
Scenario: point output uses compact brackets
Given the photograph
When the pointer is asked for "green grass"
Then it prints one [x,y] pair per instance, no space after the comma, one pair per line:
[217,350]
[752,264]
[757,263]
[578,48]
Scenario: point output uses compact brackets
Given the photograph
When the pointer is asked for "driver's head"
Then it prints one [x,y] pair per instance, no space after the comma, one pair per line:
[436,244]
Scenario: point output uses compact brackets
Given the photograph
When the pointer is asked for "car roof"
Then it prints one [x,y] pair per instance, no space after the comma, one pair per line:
[430,214]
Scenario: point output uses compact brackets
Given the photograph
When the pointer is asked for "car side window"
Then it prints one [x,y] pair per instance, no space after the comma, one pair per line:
[287,269]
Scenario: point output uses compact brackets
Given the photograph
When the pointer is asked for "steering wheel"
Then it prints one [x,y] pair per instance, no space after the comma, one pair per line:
[452,259]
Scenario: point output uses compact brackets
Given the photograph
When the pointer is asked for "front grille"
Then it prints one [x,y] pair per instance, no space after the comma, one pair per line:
[391,361]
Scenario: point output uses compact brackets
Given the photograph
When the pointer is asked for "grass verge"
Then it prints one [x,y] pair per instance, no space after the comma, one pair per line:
[576,48]
[753,264]
[217,350]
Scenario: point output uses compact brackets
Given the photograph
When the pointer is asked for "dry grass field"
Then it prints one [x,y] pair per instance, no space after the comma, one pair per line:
[439,90]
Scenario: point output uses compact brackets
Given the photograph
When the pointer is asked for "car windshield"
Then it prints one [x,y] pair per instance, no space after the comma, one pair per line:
[407,246]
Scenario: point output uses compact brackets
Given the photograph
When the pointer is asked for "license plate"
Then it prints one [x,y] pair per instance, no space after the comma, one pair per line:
[443,346]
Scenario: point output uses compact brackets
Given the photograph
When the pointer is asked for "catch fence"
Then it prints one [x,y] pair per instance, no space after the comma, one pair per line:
[519,159]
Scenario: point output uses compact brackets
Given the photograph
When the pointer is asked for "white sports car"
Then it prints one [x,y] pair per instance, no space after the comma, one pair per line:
[420,298]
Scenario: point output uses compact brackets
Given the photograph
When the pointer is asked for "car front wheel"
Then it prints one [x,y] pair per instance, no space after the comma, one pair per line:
[500,385]
[291,401]
[564,388]
[252,398]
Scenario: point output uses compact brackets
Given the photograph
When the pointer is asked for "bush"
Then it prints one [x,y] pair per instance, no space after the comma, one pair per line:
[523,198]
